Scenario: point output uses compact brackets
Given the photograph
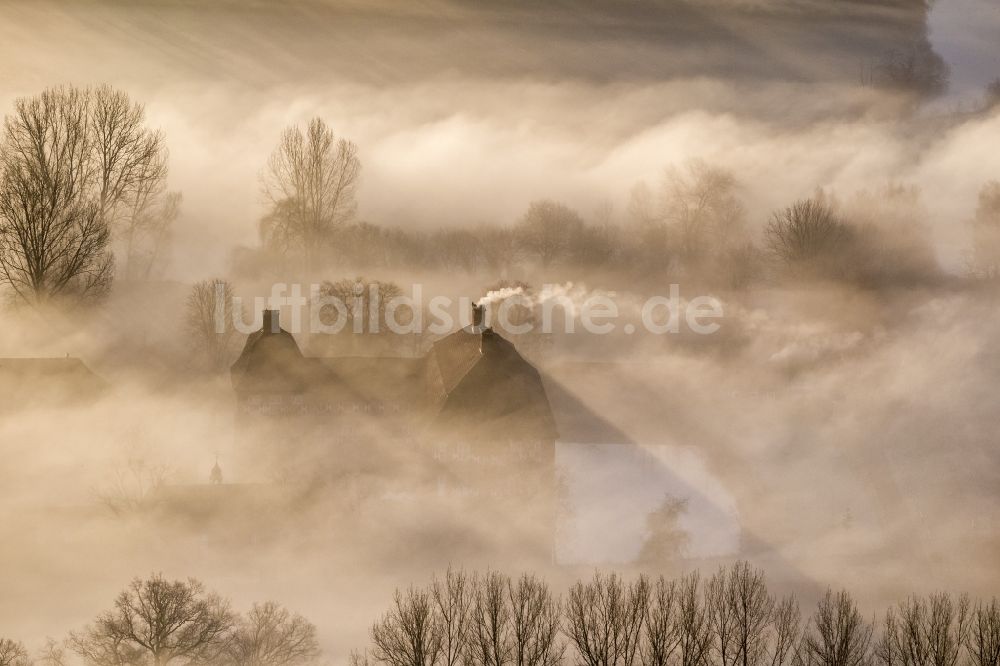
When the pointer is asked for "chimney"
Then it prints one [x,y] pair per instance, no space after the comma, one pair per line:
[271,324]
[477,315]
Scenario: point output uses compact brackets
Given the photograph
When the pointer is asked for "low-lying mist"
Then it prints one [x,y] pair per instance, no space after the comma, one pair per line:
[837,429]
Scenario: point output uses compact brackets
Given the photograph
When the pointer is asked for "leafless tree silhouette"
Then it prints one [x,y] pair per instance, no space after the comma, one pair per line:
[786,632]
[13,653]
[925,632]
[409,634]
[364,303]
[694,622]
[53,653]
[741,611]
[499,247]
[604,619]
[661,634]
[453,598]
[131,172]
[310,183]
[80,170]
[133,486]
[270,635]
[694,222]
[359,659]
[53,237]
[701,202]
[732,619]
[535,623]
[209,321]
[837,635]
[808,235]
[546,231]
[491,636]
[984,634]
[160,622]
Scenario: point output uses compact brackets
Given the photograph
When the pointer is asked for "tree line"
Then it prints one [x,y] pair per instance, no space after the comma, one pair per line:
[156,622]
[692,225]
[83,197]
[728,619]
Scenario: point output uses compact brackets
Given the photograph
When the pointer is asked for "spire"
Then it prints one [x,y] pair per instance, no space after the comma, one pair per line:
[215,477]
[271,322]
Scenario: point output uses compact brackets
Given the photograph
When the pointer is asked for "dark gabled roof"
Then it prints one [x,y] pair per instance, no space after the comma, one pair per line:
[271,362]
[26,379]
[393,380]
[487,384]
[473,377]
[451,357]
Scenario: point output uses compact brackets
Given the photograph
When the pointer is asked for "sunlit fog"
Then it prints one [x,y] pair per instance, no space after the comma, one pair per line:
[584,332]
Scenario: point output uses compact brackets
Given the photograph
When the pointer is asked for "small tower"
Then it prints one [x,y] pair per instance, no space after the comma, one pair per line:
[478,317]
[215,477]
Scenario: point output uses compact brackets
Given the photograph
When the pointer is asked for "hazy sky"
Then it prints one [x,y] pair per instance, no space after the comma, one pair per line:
[966,34]
[464,113]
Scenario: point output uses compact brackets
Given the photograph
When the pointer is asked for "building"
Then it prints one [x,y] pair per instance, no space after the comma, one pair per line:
[26,382]
[468,424]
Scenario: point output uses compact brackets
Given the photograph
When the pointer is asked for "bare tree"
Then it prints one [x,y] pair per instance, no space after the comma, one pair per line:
[888,649]
[455,249]
[453,599]
[53,653]
[786,632]
[12,653]
[209,321]
[491,636]
[891,241]
[722,607]
[984,634]
[695,222]
[130,174]
[133,486]
[924,632]
[642,209]
[364,303]
[535,618]
[145,233]
[661,635]
[359,659]
[310,184]
[808,235]
[409,634]
[160,622]
[598,243]
[604,619]
[741,613]
[53,238]
[838,635]
[694,622]
[986,233]
[547,230]
[702,203]
[79,171]
[499,247]
[270,635]
[99,648]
